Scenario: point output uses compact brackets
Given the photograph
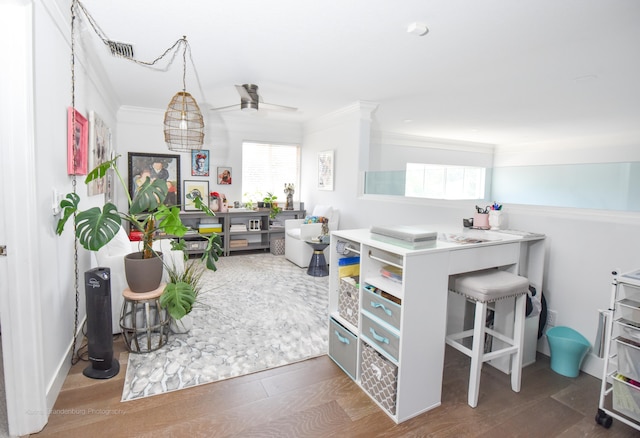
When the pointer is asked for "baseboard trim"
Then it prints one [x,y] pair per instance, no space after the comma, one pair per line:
[62,371]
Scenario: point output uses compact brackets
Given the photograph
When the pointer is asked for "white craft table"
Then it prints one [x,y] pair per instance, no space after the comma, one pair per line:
[417,339]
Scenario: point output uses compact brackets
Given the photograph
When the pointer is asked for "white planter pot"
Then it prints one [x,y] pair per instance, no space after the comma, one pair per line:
[183,325]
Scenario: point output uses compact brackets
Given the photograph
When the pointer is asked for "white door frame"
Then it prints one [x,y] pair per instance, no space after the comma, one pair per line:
[20,311]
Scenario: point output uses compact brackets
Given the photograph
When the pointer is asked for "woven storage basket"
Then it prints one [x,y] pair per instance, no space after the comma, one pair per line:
[277,246]
[379,377]
[348,301]
[196,245]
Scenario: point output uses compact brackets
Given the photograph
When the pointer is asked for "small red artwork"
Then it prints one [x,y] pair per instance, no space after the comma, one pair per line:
[77,143]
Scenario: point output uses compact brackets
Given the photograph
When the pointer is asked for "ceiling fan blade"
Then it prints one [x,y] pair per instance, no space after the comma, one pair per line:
[237,105]
[279,107]
[244,91]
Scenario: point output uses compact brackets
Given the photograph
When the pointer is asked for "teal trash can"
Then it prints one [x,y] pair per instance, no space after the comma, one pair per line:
[568,349]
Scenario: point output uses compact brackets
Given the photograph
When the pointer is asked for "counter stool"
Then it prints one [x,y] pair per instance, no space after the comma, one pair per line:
[144,323]
[483,287]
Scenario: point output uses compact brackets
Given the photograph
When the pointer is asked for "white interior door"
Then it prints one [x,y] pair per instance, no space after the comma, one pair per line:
[19,299]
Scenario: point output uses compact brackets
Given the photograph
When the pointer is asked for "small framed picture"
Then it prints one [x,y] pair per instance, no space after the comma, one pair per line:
[100,151]
[193,189]
[77,143]
[224,175]
[200,163]
[325,170]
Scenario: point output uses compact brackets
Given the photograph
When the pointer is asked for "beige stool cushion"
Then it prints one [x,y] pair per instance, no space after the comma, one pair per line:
[490,285]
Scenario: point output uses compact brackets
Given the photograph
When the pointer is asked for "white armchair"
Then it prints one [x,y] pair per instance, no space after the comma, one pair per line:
[112,256]
[296,232]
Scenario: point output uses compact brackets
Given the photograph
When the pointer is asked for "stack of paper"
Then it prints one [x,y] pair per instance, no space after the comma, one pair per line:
[209,227]
[408,236]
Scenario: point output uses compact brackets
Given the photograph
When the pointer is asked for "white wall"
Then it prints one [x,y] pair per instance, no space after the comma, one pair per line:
[392,152]
[52,97]
[46,259]
[141,130]
[584,246]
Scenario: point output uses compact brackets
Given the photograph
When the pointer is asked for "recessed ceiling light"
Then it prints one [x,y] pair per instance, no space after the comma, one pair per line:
[418,29]
[408,120]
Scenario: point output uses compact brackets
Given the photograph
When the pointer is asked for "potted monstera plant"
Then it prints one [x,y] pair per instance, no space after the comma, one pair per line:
[147,213]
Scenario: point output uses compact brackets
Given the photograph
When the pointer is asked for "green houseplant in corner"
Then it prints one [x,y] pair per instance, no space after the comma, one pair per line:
[147,213]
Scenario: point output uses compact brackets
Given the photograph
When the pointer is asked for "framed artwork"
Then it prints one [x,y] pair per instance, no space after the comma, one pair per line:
[77,137]
[224,175]
[200,188]
[325,170]
[99,151]
[200,163]
[108,190]
[154,166]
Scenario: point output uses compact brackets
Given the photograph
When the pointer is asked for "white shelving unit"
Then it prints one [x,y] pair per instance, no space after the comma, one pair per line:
[256,236]
[390,347]
[620,393]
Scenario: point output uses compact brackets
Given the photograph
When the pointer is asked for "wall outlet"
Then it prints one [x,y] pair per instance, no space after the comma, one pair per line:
[552,318]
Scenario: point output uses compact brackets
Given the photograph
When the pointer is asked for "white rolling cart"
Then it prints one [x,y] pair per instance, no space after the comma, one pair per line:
[620,390]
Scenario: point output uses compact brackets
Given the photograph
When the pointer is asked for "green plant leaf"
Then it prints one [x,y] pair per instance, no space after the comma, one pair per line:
[212,253]
[180,245]
[69,206]
[169,220]
[100,171]
[178,298]
[95,227]
[150,195]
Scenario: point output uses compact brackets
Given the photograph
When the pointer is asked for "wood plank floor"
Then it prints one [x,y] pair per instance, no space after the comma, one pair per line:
[315,398]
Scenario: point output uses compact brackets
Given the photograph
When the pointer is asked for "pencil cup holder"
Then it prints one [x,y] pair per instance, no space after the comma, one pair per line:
[497,220]
[481,220]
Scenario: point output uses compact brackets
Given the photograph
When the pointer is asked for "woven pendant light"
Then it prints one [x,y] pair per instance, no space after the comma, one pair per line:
[183,122]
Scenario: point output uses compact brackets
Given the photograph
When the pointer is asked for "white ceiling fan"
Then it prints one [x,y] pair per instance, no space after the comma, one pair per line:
[251,101]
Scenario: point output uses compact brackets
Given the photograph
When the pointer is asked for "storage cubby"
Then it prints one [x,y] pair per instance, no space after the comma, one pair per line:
[379,378]
[372,312]
[349,299]
[343,348]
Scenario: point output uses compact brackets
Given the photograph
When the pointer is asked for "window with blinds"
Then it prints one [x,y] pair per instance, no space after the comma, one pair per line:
[266,168]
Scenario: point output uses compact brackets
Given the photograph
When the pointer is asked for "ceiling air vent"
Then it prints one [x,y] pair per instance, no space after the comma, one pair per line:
[121,49]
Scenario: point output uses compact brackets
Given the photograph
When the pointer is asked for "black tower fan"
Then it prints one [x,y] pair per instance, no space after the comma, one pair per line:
[97,285]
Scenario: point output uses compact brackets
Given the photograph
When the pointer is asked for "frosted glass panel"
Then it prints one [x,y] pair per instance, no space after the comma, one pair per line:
[603,186]
[385,182]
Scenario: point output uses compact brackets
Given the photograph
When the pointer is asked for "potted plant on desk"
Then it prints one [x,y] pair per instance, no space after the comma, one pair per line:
[147,213]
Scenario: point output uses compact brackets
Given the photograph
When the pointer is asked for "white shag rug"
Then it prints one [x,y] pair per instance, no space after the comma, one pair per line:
[258,311]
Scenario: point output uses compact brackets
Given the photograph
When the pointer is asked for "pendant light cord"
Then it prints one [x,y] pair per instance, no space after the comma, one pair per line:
[75,356]
[151,64]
